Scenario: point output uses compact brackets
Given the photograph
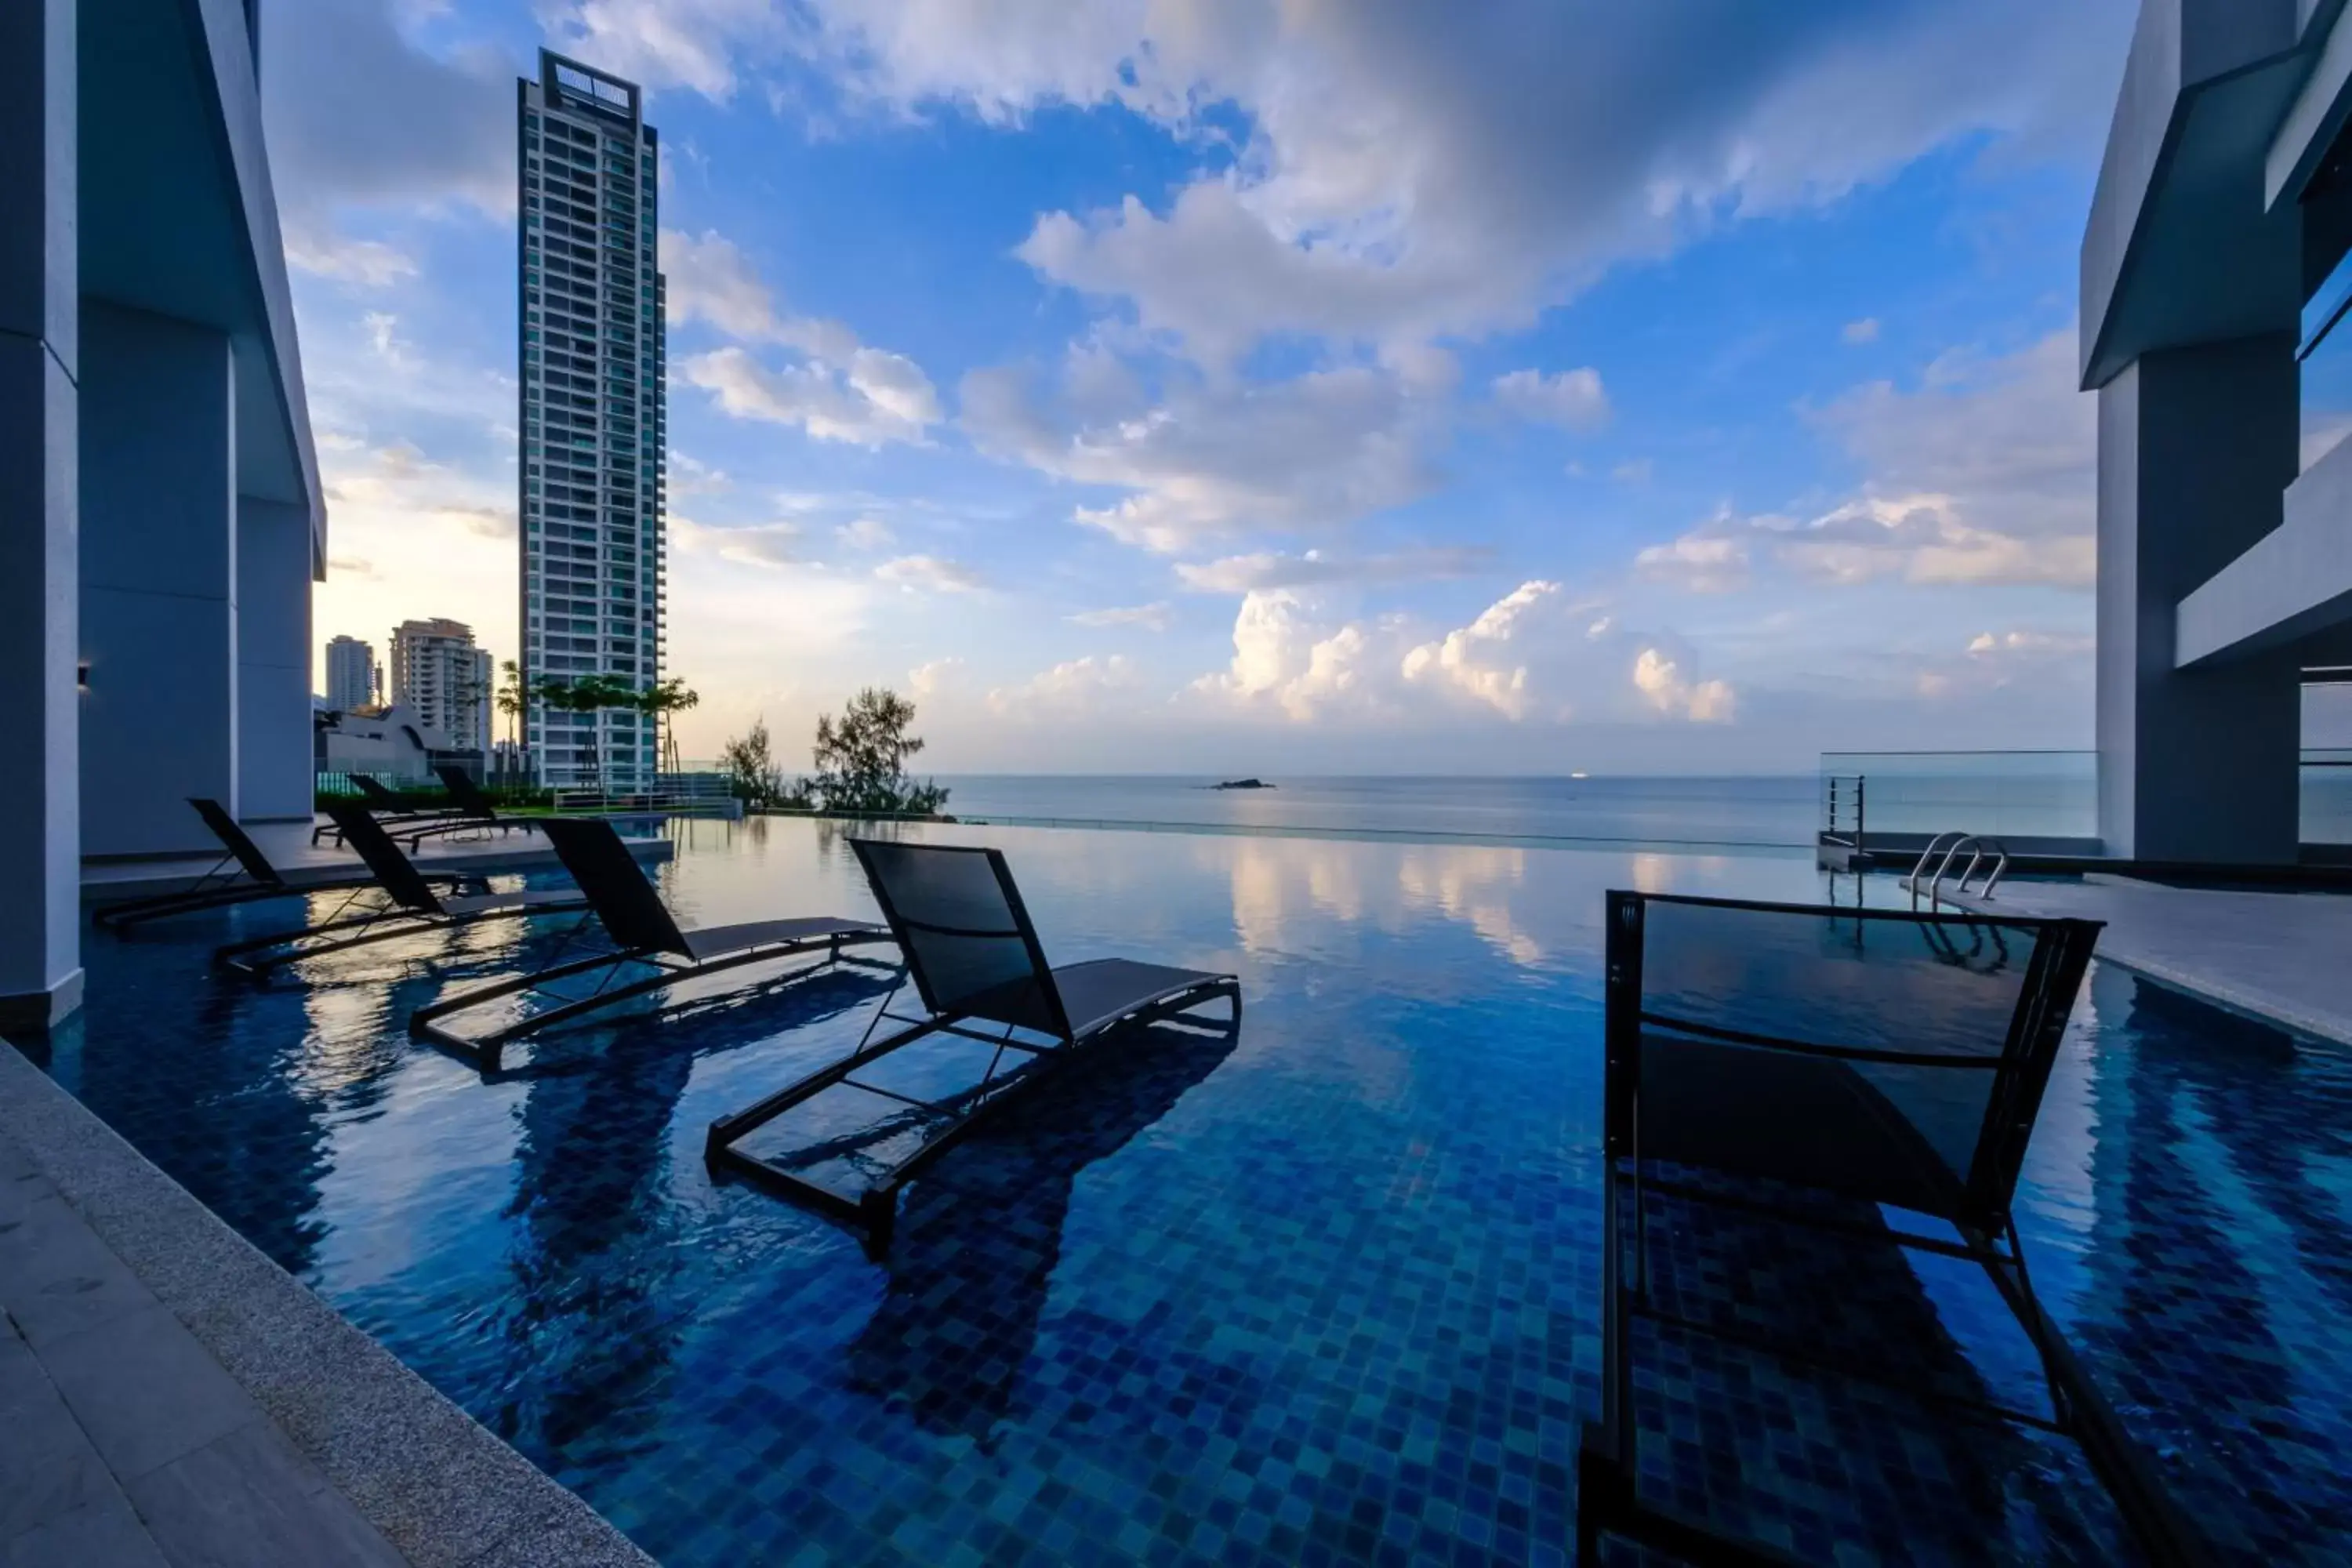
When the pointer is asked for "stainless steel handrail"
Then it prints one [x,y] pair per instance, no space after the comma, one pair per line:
[1977,849]
[1912,882]
[1967,839]
[1935,888]
[1992,877]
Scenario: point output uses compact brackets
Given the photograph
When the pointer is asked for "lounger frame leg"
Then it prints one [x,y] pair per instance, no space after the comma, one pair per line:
[1607,1499]
[873,1211]
[486,1050]
[211,894]
[383,925]
[209,889]
[2121,1465]
[232,955]
[122,917]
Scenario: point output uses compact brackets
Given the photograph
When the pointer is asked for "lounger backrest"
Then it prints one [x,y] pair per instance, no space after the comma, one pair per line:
[628,905]
[965,933]
[465,794]
[374,793]
[237,842]
[1930,1036]
[394,872]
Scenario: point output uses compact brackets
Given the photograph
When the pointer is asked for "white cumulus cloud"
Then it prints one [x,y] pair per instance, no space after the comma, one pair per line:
[930,573]
[870,405]
[1269,568]
[840,390]
[1076,687]
[1660,681]
[1475,661]
[1216,458]
[758,544]
[1152,618]
[1533,656]
[1983,475]
[1571,399]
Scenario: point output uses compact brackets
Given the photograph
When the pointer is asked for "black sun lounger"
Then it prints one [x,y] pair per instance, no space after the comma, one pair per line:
[252,880]
[405,903]
[1778,1078]
[388,810]
[644,934]
[975,959]
[472,812]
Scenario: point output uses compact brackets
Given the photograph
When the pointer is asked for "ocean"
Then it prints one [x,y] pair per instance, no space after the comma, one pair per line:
[1780,812]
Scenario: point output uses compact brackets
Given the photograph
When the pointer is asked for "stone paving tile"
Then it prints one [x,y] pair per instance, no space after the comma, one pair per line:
[352,1457]
[2278,955]
[15,1164]
[48,1467]
[56,1278]
[102,1534]
[248,1497]
[21,1377]
[145,1391]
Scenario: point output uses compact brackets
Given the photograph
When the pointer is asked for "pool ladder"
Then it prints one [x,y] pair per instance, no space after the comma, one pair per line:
[1950,845]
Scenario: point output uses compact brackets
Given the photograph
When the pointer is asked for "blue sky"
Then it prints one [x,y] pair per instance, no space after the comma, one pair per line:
[1269,385]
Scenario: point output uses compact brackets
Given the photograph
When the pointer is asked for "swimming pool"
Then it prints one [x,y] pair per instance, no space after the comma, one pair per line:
[1326,1292]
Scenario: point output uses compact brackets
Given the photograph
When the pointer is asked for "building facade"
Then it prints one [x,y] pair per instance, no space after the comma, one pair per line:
[353,679]
[393,743]
[594,416]
[440,678]
[2216,269]
[160,516]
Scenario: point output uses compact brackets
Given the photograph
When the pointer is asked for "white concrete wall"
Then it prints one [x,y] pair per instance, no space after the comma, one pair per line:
[159,580]
[273,661]
[40,874]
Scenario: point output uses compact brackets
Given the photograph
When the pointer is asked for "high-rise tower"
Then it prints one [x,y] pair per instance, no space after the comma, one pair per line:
[351,676]
[593,422]
[441,676]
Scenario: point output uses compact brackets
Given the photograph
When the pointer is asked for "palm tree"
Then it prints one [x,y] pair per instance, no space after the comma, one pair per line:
[588,694]
[661,700]
[511,700]
[509,696]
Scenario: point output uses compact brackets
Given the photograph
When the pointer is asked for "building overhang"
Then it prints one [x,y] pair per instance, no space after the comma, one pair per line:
[177,215]
[2183,246]
[2295,581]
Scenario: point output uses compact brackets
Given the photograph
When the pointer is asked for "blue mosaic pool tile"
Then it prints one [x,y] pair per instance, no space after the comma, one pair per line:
[1326,1293]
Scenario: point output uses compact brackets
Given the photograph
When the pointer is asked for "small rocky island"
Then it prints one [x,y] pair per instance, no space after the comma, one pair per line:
[1242,783]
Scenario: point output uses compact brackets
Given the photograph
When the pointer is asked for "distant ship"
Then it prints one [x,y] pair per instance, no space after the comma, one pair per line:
[1577,776]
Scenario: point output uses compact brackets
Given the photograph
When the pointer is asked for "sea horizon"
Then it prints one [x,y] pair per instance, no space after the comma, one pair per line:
[1748,811]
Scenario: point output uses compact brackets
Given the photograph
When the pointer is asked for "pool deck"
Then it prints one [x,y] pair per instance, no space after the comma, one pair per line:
[2286,957]
[168,1395]
[303,864]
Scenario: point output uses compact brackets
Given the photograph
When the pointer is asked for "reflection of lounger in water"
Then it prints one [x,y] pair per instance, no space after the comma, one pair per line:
[978,1239]
[1792,1079]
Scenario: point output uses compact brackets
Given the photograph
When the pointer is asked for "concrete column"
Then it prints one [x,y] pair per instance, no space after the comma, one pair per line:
[2197,447]
[41,809]
[159,580]
[275,778]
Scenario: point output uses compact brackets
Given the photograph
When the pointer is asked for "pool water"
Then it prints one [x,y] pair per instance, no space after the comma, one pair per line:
[1322,1291]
